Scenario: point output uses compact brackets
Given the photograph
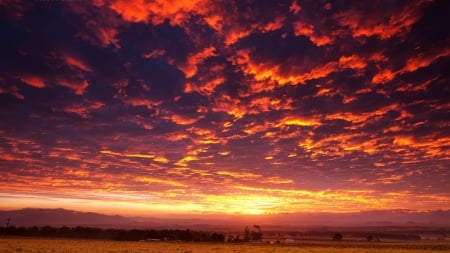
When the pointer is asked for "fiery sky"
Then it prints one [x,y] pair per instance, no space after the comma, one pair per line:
[225,106]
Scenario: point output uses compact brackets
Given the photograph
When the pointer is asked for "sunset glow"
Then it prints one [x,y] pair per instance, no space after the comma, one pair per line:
[225,107]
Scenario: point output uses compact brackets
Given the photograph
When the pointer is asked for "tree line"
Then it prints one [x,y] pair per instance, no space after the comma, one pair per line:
[113,234]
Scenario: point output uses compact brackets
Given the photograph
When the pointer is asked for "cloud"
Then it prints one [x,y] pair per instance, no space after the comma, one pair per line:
[78,87]
[413,63]
[190,69]
[34,81]
[155,11]
[77,63]
[226,106]
[396,21]
[83,110]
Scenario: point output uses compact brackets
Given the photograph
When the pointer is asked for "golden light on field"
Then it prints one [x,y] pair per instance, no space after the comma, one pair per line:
[86,246]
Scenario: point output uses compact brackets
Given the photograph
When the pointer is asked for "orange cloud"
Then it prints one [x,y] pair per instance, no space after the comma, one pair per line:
[352,62]
[150,104]
[109,152]
[182,120]
[421,60]
[424,59]
[206,89]
[357,118]
[267,104]
[233,35]
[83,110]
[155,53]
[403,141]
[231,106]
[295,8]
[137,11]
[244,175]
[152,180]
[303,29]
[190,68]
[177,136]
[155,11]
[13,90]
[107,36]
[267,72]
[253,128]
[206,84]
[383,76]
[276,24]
[34,81]
[299,121]
[77,63]
[278,180]
[214,21]
[398,23]
[77,86]
[432,146]
[101,25]
[417,87]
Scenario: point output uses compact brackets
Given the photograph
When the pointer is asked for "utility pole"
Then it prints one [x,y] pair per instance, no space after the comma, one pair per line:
[7,222]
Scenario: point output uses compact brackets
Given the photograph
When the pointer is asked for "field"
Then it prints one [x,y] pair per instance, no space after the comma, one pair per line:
[39,245]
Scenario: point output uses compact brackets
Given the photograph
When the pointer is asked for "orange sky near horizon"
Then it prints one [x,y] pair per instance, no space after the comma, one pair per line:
[225,107]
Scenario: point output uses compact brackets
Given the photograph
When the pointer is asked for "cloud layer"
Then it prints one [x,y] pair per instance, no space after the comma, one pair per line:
[225,106]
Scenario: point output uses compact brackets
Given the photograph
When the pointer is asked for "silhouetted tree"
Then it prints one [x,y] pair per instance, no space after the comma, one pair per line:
[337,237]
[112,234]
[247,234]
[257,235]
[215,237]
[373,238]
[187,235]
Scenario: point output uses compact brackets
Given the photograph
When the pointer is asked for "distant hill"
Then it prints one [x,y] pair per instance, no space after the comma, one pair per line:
[432,218]
[60,217]
[382,218]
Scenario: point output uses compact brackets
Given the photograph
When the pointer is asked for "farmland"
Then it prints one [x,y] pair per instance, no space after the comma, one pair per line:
[41,245]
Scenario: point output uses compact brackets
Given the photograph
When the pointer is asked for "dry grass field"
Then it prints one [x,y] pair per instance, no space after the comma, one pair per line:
[39,245]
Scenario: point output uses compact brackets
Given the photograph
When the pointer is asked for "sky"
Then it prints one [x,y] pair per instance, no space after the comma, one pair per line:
[225,107]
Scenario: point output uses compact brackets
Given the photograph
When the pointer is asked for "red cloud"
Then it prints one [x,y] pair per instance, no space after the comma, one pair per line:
[424,59]
[77,86]
[190,67]
[382,24]
[34,81]
[418,61]
[13,90]
[101,24]
[77,63]
[83,110]
[156,11]
[308,30]
[295,8]
[183,120]
[271,74]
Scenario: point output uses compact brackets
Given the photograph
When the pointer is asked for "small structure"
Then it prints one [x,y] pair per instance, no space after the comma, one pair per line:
[151,240]
[289,241]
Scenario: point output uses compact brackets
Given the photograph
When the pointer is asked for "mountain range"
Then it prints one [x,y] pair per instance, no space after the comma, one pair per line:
[70,218]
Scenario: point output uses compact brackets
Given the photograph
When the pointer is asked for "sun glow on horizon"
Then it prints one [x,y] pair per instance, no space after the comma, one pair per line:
[245,201]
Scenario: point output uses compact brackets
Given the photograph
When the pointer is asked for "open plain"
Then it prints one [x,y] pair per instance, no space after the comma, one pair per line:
[45,245]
